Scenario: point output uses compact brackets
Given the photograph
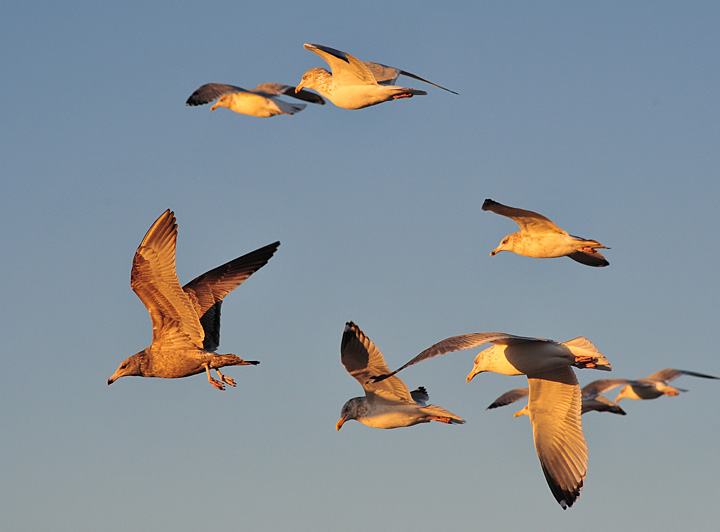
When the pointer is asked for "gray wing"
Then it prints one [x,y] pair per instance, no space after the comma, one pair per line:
[364,361]
[527,220]
[276,89]
[211,92]
[670,374]
[387,75]
[460,343]
[509,397]
[599,403]
[420,395]
[605,385]
[555,406]
[595,258]
[206,292]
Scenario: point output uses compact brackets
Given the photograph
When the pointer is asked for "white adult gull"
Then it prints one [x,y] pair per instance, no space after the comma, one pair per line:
[555,396]
[388,404]
[186,321]
[356,84]
[539,237]
[656,385]
[262,101]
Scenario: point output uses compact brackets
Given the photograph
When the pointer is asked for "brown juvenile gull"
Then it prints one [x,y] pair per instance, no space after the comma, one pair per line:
[539,237]
[657,385]
[261,101]
[592,401]
[388,404]
[555,396]
[355,84]
[186,321]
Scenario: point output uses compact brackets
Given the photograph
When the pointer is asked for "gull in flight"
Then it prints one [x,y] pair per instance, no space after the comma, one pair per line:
[591,398]
[657,385]
[355,84]
[262,101]
[388,404]
[186,321]
[555,396]
[539,237]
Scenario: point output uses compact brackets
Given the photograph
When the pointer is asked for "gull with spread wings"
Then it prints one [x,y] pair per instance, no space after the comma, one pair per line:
[592,401]
[356,84]
[387,404]
[186,321]
[539,237]
[262,101]
[555,396]
[656,385]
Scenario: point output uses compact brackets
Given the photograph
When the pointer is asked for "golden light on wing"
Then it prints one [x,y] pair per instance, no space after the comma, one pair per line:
[364,361]
[555,406]
[154,280]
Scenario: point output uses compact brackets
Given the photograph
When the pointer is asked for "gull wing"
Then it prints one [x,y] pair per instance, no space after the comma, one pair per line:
[153,279]
[555,406]
[605,385]
[364,361]
[387,75]
[509,397]
[276,89]
[346,69]
[527,220]
[670,374]
[211,92]
[594,258]
[462,342]
[207,291]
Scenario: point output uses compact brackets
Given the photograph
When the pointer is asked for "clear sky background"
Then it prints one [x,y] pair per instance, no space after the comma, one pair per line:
[601,115]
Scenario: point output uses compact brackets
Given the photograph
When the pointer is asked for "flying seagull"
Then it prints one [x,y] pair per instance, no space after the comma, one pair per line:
[388,404]
[555,396]
[355,84]
[186,321]
[539,237]
[656,385]
[262,101]
[591,398]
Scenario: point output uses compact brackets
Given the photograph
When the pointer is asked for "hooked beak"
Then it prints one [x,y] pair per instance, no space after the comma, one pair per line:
[340,423]
[494,252]
[110,381]
[298,89]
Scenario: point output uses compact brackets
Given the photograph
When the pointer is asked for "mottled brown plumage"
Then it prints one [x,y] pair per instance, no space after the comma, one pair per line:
[186,321]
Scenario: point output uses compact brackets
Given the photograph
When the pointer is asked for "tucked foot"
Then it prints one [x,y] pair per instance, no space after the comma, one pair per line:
[442,419]
[588,250]
[585,362]
[403,95]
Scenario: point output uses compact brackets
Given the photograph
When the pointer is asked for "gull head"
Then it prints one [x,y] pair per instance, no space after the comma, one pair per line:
[350,410]
[316,78]
[130,367]
[505,245]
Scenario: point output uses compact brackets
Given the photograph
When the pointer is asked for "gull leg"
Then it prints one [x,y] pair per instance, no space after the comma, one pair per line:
[225,378]
[402,95]
[217,384]
[442,419]
[585,362]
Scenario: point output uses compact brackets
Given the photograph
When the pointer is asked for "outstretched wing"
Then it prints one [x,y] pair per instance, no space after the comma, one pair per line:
[387,75]
[207,291]
[460,343]
[509,397]
[670,374]
[155,282]
[555,406]
[527,220]
[276,89]
[605,385]
[211,92]
[364,361]
[346,69]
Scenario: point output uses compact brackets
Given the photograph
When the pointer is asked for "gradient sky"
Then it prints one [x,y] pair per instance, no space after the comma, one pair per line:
[601,115]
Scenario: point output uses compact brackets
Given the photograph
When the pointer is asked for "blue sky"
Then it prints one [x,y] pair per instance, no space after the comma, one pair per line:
[603,116]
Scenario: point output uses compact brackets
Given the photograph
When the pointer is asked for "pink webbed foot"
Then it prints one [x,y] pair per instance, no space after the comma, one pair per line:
[217,384]
[402,95]
[442,419]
